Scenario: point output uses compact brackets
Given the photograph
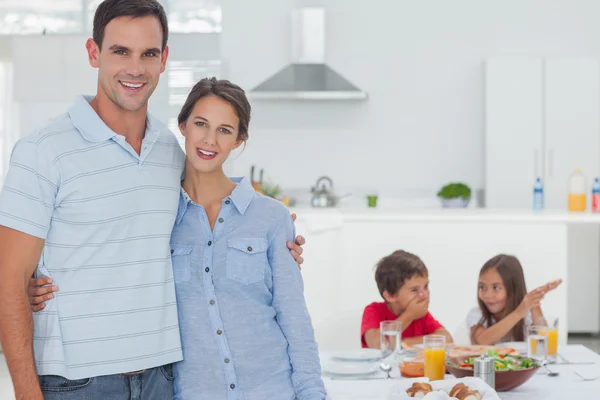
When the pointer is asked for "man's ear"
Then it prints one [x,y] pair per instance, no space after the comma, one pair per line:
[93,52]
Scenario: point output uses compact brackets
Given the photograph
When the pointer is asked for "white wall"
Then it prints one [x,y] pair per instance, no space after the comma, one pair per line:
[420,62]
[72,75]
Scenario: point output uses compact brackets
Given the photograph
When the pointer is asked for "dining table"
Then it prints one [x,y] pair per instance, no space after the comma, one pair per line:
[577,368]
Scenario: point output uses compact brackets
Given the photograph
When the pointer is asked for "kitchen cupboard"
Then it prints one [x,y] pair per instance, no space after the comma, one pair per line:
[542,119]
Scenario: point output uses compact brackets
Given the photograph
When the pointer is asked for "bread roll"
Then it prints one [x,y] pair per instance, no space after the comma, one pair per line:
[419,390]
[456,389]
[466,393]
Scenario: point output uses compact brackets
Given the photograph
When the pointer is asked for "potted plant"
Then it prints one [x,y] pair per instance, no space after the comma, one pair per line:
[274,191]
[455,195]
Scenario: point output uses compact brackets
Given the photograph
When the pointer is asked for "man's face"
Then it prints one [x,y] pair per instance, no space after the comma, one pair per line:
[130,61]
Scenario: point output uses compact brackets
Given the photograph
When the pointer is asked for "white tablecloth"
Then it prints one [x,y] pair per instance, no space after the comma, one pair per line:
[566,386]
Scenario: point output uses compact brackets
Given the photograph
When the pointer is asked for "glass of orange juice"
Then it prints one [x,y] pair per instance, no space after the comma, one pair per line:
[551,331]
[435,356]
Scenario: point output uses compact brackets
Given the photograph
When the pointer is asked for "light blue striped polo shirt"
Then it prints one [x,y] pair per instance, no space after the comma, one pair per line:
[106,214]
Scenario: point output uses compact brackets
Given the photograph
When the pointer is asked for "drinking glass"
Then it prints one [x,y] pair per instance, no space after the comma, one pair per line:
[551,325]
[537,343]
[390,337]
[435,356]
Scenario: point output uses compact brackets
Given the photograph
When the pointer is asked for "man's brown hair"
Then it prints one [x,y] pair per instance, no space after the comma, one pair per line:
[111,9]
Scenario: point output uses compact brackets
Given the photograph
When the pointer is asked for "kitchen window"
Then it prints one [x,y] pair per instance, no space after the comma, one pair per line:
[36,17]
[185,16]
[25,17]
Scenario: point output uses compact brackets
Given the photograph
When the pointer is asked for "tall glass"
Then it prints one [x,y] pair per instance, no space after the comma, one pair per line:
[551,325]
[390,337]
[435,356]
[537,343]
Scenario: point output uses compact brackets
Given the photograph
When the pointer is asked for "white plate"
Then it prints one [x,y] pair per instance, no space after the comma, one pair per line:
[357,355]
[351,369]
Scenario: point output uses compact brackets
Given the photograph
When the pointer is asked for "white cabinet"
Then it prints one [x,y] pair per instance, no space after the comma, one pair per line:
[572,131]
[541,120]
[514,131]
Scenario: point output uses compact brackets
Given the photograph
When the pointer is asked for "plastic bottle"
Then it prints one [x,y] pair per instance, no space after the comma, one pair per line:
[577,192]
[538,195]
[596,195]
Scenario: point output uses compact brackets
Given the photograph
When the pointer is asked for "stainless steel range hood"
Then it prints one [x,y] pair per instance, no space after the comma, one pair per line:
[308,77]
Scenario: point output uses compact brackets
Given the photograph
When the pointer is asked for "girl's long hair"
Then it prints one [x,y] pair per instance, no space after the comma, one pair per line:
[510,270]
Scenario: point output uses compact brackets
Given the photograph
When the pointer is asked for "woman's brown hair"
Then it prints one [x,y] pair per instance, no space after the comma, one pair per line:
[225,90]
[510,270]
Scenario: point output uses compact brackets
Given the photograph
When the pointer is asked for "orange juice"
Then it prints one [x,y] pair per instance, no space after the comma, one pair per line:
[435,367]
[577,201]
[552,342]
[533,344]
[577,191]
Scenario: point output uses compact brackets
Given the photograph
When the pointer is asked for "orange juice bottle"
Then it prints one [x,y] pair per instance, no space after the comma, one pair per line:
[577,191]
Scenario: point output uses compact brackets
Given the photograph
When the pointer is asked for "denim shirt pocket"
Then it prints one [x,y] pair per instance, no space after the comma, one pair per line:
[180,258]
[247,259]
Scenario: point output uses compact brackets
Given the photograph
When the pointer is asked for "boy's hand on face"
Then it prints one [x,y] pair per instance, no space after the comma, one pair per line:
[418,307]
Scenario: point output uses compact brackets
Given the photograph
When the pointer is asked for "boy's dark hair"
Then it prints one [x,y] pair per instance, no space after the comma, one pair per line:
[111,9]
[225,90]
[392,271]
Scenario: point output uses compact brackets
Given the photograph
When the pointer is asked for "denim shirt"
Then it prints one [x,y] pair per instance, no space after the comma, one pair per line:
[246,332]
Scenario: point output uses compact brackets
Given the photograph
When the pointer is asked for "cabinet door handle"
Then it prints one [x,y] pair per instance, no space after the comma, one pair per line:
[550,162]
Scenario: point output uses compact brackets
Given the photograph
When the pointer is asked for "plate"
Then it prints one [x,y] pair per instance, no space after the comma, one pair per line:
[350,369]
[357,355]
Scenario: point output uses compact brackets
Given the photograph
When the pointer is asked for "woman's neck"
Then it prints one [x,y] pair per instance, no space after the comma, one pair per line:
[206,188]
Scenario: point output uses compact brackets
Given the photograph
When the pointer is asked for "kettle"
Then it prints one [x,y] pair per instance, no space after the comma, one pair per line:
[323,196]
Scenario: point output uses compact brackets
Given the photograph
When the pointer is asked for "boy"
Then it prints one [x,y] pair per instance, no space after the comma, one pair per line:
[403,282]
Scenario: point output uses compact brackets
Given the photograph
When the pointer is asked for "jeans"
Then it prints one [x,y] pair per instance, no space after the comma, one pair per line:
[151,384]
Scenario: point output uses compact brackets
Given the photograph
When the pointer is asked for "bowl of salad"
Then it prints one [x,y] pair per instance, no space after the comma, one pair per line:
[511,371]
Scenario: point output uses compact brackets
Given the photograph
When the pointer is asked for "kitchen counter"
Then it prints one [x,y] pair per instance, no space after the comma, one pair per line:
[344,244]
[357,214]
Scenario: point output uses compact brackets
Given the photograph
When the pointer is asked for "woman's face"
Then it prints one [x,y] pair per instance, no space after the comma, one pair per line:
[211,133]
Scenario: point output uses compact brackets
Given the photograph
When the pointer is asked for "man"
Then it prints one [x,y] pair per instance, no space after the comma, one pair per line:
[90,201]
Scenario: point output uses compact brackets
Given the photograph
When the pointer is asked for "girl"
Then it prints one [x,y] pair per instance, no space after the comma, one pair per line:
[245,330]
[505,307]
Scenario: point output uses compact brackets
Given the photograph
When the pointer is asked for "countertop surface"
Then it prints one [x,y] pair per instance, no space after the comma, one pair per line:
[357,214]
